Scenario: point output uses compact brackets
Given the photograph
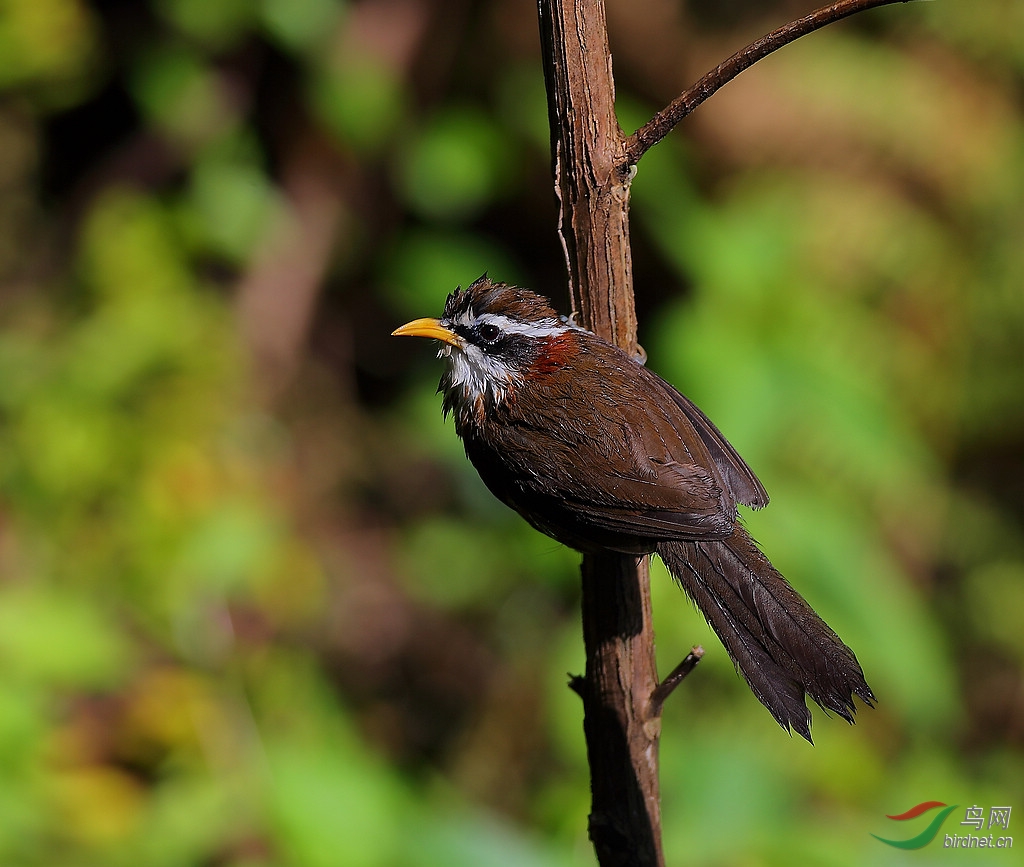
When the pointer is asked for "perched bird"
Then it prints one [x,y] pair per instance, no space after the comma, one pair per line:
[600,453]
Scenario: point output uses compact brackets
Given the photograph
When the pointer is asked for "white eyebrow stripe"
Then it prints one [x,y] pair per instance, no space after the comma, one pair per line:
[543,328]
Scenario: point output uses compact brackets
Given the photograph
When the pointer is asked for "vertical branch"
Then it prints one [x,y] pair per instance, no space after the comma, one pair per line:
[591,169]
[621,735]
[592,184]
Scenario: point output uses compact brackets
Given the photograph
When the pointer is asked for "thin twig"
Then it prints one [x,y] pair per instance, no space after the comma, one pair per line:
[675,677]
[663,122]
[578,684]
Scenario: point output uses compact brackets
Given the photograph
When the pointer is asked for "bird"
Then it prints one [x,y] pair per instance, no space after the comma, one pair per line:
[597,451]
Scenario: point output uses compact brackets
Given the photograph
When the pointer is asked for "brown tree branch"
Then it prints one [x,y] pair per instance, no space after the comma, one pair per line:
[592,186]
[665,120]
[591,178]
[675,677]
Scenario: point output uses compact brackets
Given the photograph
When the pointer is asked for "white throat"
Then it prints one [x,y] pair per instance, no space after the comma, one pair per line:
[473,374]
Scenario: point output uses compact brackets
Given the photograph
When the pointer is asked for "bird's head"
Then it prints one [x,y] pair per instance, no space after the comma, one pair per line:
[494,337]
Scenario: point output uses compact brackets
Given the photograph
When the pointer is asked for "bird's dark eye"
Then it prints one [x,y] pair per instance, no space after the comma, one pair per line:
[489,332]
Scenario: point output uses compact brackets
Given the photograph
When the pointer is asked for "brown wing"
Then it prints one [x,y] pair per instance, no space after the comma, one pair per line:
[745,487]
[630,465]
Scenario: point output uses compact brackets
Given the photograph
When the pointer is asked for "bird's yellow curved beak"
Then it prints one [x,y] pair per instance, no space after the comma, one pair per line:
[428,328]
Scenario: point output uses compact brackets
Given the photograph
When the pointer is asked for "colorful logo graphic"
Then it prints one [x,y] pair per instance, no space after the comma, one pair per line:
[998,817]
[929,833]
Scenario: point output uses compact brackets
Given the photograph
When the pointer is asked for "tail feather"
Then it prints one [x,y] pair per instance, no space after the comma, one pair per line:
[778,643]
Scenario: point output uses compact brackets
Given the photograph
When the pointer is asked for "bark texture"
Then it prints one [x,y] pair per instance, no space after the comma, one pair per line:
[592,177]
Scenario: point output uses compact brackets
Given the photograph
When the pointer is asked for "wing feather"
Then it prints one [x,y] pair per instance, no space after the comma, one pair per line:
[656,467]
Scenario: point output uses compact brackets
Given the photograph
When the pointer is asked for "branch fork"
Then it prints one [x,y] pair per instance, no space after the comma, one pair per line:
[656,702]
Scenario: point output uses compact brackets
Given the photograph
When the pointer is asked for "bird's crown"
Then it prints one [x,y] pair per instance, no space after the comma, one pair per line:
[489,297]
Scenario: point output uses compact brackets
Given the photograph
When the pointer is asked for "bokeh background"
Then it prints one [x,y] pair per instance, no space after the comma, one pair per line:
[256,610]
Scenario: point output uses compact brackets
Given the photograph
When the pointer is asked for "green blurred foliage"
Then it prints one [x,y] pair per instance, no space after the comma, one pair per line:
[456,165]
[255,607]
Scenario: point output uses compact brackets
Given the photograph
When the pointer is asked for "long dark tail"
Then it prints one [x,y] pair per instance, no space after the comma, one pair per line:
[779,644]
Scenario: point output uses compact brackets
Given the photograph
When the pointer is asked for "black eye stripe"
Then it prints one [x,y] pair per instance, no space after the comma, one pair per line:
[516,351]
[483,334]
